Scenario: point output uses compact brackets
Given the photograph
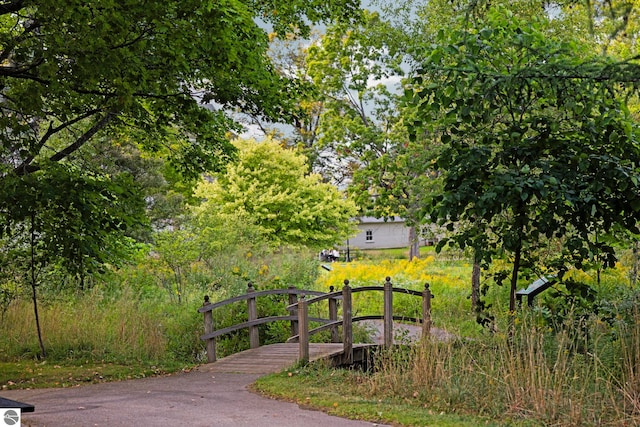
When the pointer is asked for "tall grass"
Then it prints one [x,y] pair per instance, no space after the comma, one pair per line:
[584,369]
[93,327]
[140,313]
[535,376]
[629,379]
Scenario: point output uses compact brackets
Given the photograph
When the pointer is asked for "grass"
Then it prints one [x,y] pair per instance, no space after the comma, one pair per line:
[532,379]
[333,391]
[35,374]
[582,371]
[99,327]
[374,255]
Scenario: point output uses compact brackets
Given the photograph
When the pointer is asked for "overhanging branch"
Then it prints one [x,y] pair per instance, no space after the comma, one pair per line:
[11,6]
[27,167]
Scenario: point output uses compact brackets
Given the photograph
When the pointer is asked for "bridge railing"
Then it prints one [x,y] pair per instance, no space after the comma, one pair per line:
[253,321]
[348,319]
[298,309]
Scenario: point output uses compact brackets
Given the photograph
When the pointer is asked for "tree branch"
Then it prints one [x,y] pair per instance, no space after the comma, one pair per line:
[52,131]
[26,167]
[11,6]
[84,138]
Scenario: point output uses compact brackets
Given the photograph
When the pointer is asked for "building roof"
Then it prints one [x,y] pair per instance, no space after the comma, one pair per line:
[373,220]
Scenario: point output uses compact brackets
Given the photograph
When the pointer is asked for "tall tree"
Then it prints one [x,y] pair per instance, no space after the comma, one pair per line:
[538,139]
[271,188]
[356,71]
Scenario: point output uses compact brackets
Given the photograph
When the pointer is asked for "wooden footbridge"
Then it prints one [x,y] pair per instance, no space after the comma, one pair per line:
[339,320]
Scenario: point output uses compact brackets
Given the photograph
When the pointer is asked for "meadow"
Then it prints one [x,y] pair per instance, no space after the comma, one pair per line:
[572,359]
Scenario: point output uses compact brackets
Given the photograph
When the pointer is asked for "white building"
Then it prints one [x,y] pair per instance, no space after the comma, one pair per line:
[376,233]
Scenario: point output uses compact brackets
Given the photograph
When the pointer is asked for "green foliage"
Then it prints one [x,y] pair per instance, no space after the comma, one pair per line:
[537,141]
[361,122]
[93,326]
[337,392]
[534,377]
[270,189]
[165,190]
[61,216]
[182,327]
[79,81]
[177,253]
[541,375]
[78,70]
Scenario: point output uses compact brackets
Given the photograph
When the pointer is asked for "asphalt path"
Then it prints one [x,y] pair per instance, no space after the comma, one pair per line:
[191,399]
[196,398]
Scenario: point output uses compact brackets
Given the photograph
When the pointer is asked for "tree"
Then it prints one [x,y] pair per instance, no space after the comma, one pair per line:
[271,188]
[160,73]
[71,70]
[538,141]
[356,70]
[63,217]
[166,192]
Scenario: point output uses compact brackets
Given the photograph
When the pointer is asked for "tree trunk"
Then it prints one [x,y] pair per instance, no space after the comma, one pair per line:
[512,292]
[514,279]
[635,261]
[414,244]
[475,286]
[34,284]
[35,312]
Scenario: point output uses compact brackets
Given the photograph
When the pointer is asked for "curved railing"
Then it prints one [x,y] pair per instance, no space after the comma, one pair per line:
[299,316]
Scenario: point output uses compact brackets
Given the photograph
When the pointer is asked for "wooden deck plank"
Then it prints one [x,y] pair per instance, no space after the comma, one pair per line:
[271,358]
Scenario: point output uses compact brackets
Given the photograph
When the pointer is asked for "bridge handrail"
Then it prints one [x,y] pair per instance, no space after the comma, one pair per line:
[255,294]
[347,319]
[331,324]
[256,322]
[324,296]
[338,294]
[252,313]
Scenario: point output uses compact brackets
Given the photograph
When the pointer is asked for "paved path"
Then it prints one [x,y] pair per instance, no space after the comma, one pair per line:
[201,397]
[189,399]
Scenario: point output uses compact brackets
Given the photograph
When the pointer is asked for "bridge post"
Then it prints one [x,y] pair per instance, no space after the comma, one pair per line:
[293,299]
[426,311]
[252,314]
[303,327]
[347,326]
[388,313]
[333,316]
[208,328]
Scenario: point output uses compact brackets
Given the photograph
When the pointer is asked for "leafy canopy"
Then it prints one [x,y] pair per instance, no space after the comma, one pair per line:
[71,69]
[271,188]
[356,73]
[64,216]
[79,77]
[537,140]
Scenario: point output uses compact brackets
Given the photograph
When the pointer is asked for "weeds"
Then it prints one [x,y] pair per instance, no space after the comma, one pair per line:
[537,376]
